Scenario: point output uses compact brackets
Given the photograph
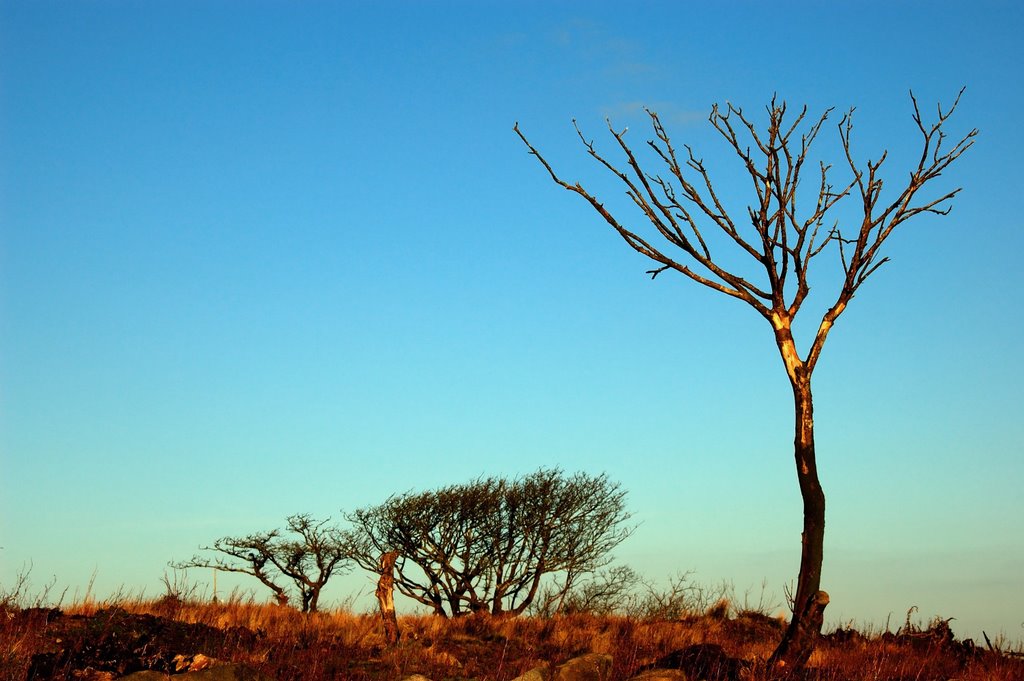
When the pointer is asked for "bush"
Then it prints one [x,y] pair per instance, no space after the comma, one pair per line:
[489,544]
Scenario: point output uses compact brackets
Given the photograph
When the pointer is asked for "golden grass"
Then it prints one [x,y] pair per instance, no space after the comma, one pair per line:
[339,644]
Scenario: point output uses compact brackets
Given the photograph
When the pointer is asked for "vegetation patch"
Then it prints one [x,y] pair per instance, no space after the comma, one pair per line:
[89,642]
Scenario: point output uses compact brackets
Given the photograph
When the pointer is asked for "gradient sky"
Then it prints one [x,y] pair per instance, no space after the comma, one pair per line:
[263,258]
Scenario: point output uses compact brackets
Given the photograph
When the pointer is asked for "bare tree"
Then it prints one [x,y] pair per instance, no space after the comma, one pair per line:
[606,592]
[441,551]
[307,553]
[553,526]
[487,545]
[778,244]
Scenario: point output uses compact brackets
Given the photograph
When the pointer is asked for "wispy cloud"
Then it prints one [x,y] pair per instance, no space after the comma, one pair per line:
[591,41]
[670,113]
[624,63]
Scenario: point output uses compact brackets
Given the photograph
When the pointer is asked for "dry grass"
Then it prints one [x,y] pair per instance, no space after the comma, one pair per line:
[342,645]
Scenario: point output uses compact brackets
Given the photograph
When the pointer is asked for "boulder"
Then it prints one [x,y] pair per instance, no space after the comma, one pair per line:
[590,667]
[220,672]
[193,663]
[541,673]
[661,675]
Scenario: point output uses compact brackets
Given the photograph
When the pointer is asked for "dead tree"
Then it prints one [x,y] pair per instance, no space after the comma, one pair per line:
[778,243]
[386,597]
[307,554]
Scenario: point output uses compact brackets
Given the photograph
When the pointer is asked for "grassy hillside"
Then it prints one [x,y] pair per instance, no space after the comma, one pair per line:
[339,644]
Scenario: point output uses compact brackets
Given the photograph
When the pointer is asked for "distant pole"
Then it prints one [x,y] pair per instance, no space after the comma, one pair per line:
[214,585]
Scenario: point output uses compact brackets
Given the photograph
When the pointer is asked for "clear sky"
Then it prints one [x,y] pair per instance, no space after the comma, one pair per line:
[270,257]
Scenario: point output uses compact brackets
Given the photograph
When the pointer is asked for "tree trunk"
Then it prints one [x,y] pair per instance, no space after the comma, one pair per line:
[809,602]
[280,595]
[386,597]
[313,599]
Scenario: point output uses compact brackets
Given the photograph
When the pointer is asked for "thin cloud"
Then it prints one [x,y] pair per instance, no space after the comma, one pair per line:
[630,69]
[671,114]
[591,41]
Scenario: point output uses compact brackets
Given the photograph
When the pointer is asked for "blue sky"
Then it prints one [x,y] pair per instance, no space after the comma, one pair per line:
[264,258]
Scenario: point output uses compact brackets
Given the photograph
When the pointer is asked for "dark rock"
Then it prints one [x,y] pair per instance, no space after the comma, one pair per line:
[119,642]
[703,661]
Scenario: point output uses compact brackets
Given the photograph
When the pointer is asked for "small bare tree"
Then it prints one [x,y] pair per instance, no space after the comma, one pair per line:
[779,243]
[307,553]
[606,592]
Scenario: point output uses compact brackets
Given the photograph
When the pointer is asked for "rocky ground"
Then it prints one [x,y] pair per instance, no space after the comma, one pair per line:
[113,643]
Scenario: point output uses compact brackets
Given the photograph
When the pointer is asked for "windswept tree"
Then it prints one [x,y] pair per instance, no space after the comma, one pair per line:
[762,254]
[489,544]
[442,550]
[307,553]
